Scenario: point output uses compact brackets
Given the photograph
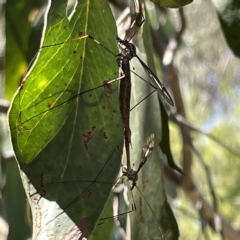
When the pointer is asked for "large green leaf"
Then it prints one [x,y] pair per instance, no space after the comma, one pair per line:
[62,136]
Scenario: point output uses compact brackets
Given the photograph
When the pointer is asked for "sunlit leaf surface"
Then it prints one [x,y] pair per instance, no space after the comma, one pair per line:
[61,136]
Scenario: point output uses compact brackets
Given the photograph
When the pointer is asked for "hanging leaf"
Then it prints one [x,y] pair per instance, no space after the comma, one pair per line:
[153,218]
[62,132]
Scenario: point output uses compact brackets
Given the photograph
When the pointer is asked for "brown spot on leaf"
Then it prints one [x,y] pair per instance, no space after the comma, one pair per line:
[87,137]
[49,105]
[107,87]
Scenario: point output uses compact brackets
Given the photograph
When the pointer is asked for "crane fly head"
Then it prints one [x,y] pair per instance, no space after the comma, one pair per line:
[128,50]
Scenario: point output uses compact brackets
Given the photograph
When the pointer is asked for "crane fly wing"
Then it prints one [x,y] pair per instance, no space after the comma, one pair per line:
[146,151]
[157,82]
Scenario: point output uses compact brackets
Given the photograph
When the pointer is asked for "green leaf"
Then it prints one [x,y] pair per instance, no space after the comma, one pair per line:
[103,231]
[229,17]
[172,3]
[60,135]
[165,142]
[152,219]
[14,204]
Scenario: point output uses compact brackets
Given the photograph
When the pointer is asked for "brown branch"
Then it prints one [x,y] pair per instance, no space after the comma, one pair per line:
[185,133]
[180,120]
[171,77]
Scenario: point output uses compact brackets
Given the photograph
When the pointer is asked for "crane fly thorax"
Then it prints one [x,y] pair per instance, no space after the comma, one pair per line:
[131,174]
[128,50]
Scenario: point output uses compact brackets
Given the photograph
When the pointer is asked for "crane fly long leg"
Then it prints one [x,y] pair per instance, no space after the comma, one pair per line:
[131,175]
[147,150]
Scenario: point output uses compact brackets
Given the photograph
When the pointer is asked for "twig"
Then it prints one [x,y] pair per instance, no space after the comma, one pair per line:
[171,77]
[177,118]
[217,221]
